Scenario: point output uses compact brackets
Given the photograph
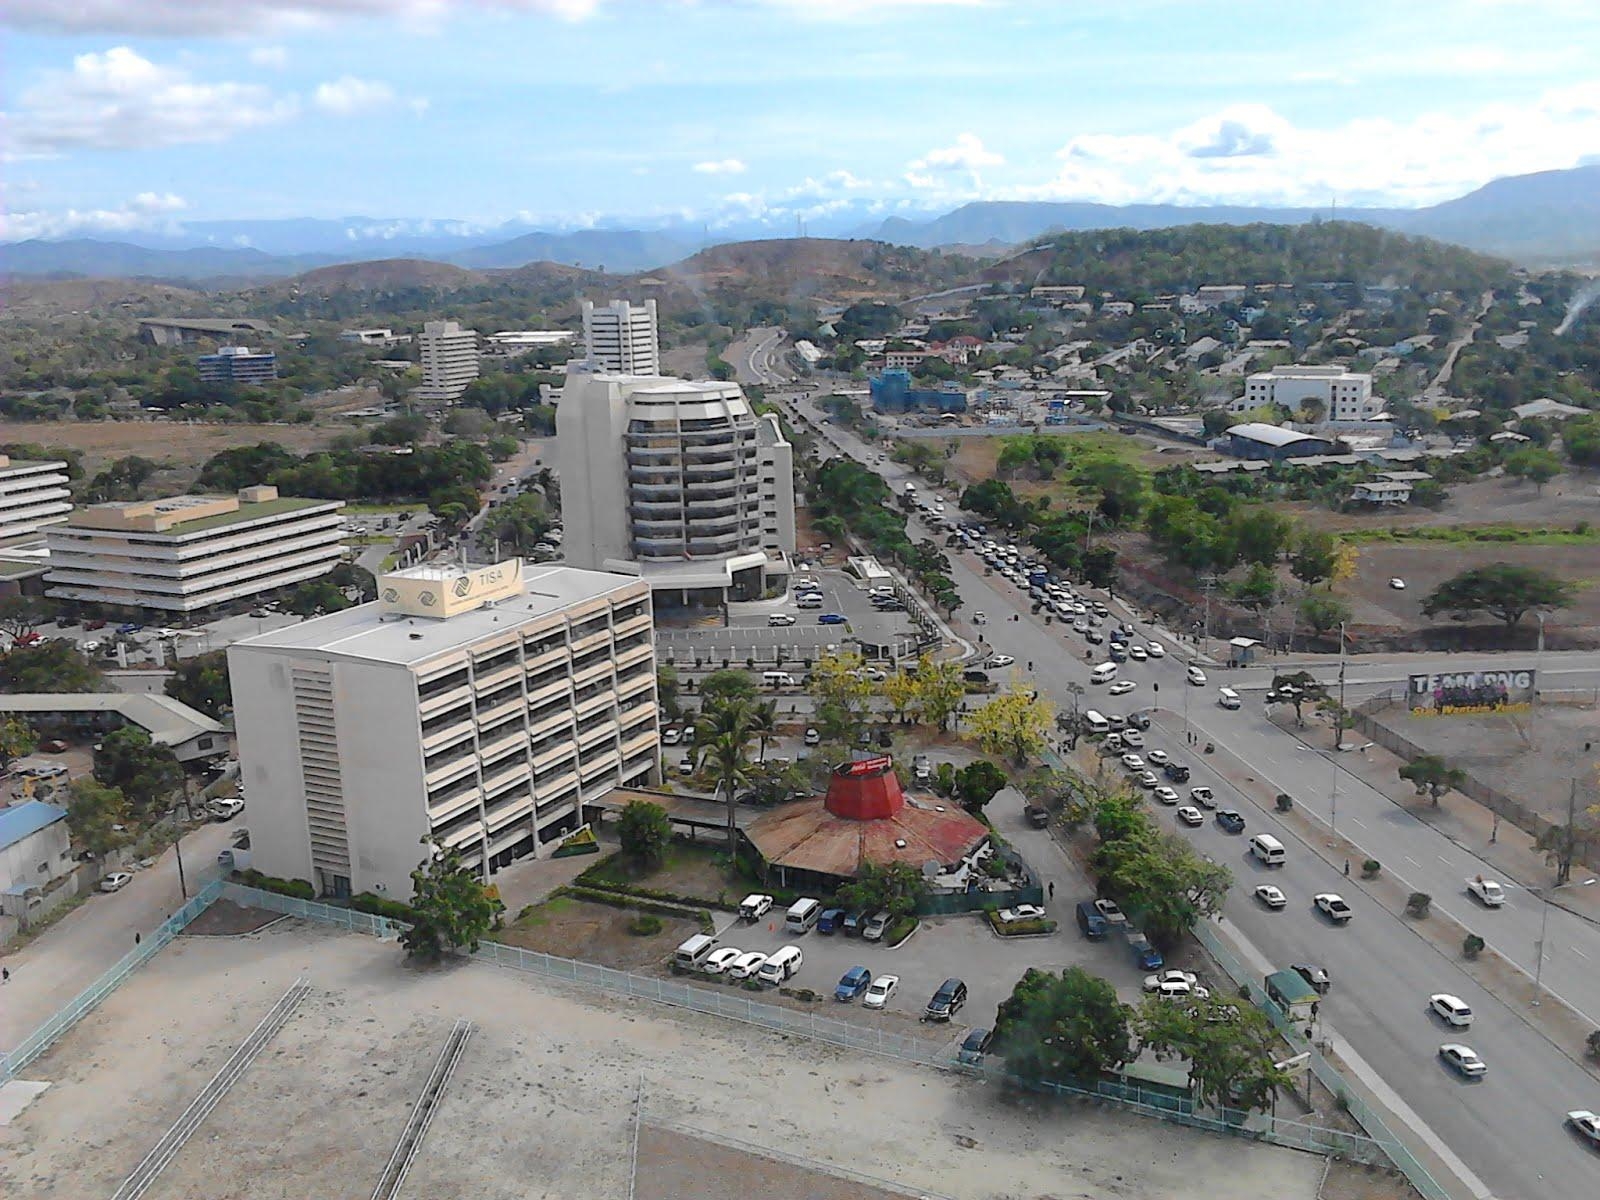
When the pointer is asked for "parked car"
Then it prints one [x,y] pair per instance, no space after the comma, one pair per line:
[877,925]
[879,991]
[776,619]
[115,881]
[225,808]
[812,738]
[974,1046]
[129,627]
[754,906]
[854,981]
[1146,955]
[1319,979]
[1022,912]
[830,619]
[53,746]
[946,1001]
[746,965]
[671,735]
[1037,816]
[719,961]
[854,922]
[831,920]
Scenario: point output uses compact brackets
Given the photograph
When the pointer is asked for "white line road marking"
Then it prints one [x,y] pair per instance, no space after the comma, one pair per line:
[1442,859]
[1412,861]
[1356,821]
[1578,952]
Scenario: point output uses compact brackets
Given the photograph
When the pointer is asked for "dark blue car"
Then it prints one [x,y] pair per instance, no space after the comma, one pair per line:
[1230,820]
[1146,955]
[830,619]
[855,981]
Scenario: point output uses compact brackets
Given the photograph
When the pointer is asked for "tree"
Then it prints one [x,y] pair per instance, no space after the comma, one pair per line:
[720,686]
[1231,1048]
[1258,588]
[16,739]
[762,725]
[451,908]
[315,597]
[895,888]
[902,692]
[940,690]
[1431,774]
[201,682]
[1533,464]
[1297,689]
[1160,880]
[977,783]
[1324,611]
[94,814]
[645,833]
[1063,1028]
[720,739]
[1016,722]
[1562,845]
[842,690]
[53,666]
[518,525]
[147,774]
[1315,557]
[1503,590]
[667,690]
[21,614]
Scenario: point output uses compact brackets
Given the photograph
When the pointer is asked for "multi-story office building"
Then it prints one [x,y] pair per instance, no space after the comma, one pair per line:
[1344,395]
[478,706]
[449,361]
[33,495]
[680,483]
[238,364]
[621,338]
[188,553]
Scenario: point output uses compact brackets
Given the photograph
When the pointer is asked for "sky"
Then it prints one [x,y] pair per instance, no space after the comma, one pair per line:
[119,115]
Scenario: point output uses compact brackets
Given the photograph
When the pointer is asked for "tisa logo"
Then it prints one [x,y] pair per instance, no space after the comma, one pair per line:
[462,586]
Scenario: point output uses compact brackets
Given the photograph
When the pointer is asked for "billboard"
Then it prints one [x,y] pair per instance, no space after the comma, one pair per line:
[1470,693]
[876,765]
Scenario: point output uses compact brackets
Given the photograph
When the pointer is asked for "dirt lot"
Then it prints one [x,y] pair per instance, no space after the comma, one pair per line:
[1564,502]
[543,1102]
[182,445]
[1424,566]
[976,457]
[596,933]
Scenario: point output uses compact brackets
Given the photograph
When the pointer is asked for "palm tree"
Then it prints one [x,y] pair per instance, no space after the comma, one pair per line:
[720,738]
[763,724]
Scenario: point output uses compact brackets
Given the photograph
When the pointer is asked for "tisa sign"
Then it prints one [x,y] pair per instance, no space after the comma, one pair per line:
[1464,693]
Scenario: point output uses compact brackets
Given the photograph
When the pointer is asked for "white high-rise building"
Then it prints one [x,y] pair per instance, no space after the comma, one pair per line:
[1344,395]
[680,483]
[33,495]
[188,553]
[622,338]
[482,707]
[449,361]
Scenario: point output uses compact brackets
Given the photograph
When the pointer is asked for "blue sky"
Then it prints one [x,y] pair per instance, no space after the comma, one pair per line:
[133,114]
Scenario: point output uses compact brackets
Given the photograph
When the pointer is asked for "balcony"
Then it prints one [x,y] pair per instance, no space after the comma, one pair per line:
[638,744]
[444,701]
[552,790]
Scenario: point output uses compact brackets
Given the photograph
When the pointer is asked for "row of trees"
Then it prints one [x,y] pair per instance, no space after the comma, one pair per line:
[1159,880]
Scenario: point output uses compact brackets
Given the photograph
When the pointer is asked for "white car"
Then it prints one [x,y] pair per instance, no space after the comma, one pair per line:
[720,960]
[115,881]
[1333,907]
[775,619]
[1109,910]
[879,991]
[1121,687]
[1586,1123]
[1001,660]
[1203,796]
[1158,758]
[1397,583]
[1166,795]
[1464,1059]
[755,906]
[1190,815]
[1138,653]
[671,735]
[1156,650]
[1488,892]
[1452,1010]
[1132,737]
[812,737]
[980,618]
[1271,895]
[746,965]
[1171,975]
[1197,677]
[1148,780]
[1022,912]
[1133,762]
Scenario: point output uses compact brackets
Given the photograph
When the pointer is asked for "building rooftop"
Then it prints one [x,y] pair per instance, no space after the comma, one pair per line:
[169,722]
[211,325]
[369,633]
[166,516]
[22,820]
[1271,435]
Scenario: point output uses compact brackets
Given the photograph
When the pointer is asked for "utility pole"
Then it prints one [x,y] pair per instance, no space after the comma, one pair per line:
[1338,717]
[1569,837]
[1206,584]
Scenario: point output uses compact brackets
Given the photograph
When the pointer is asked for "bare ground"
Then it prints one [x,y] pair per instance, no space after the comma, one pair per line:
[595,933]
[181,445]
[543,1103]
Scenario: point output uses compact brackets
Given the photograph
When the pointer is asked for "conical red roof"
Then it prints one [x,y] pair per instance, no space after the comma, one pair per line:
[864,790]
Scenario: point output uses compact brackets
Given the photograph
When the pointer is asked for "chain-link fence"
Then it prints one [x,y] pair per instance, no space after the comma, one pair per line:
[42,1038]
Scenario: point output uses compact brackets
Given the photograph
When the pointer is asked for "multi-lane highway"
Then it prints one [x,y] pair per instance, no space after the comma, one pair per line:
[1507,1129]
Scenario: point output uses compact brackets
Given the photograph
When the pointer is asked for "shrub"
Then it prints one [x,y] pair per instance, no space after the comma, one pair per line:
[300,889]
[645,925]
[899,931]
[1592,1044]
[1285,802]
[382,906]
[1370,868]
[1471,946]
[1418,904]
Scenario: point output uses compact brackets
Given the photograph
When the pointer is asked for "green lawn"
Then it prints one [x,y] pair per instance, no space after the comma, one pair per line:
[1475,534]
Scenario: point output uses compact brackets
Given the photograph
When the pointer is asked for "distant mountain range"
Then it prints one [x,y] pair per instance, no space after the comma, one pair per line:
[1552,217]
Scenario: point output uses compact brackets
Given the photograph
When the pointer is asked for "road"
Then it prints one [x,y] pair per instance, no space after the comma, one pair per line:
[757,358]
[1506,1129]
[1453,351]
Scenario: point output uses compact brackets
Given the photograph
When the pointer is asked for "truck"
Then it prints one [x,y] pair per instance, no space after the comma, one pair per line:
[1038,816]
[1291,993]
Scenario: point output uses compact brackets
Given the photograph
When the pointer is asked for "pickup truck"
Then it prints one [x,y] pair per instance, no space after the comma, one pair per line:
[1038,816]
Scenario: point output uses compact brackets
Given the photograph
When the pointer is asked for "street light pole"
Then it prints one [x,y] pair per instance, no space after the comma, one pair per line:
[1338,717]
[1538,658]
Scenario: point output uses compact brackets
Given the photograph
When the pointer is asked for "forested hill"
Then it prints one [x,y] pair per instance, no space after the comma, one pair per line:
[1135,263]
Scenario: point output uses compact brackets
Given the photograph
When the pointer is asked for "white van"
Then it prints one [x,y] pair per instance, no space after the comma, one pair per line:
[1104,673]
[1268,849]
[1228,698]
[781,966]
[809,600]
[777,679]
[695,951]
[802,915]
[1096,722]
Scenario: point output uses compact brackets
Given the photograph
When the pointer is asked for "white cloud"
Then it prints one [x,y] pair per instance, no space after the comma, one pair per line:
[1250,154]
[233,18]
[275,57]
[119,101]
[967,154]
[147,210]
[348,96]
[721,166]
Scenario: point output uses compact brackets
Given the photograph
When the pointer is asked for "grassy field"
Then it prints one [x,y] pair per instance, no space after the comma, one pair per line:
[179,446]
[1466,535]
[976,459]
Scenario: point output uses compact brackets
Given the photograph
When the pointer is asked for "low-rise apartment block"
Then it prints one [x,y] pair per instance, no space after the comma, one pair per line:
[238,364]
[188,553]
[480,706]
[33,495]
[1344,395]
